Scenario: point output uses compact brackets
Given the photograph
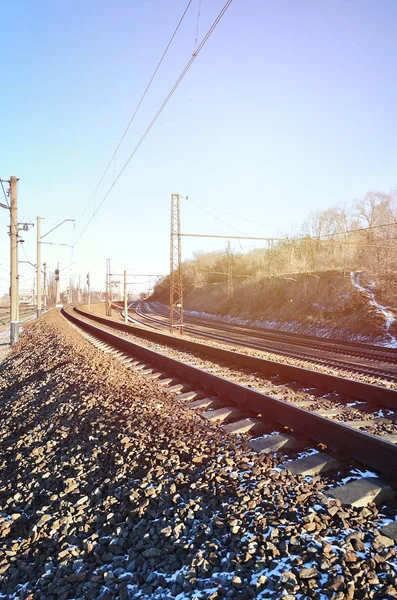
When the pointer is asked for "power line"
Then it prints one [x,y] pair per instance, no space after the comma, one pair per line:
[196,202]
[225,212]
[199,258]
[356,230]
[222,273]
[217,218]
[197,27]
[160,110]
[136,109]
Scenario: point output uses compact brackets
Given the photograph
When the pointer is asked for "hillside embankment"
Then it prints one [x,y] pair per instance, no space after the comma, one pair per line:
[343,304]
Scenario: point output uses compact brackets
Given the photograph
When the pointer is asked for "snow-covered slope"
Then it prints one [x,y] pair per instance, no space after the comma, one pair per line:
[383,311]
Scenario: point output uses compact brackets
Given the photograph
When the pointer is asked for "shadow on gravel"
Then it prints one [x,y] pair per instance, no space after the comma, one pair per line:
[65,447]
[110,491]
[21,383]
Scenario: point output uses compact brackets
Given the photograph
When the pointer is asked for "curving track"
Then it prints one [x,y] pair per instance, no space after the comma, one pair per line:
[367,359]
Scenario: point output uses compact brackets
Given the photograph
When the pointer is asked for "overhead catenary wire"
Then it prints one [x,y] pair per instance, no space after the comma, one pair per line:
[222,273]
[201,258]
[225,212]
[135,111]
[197,26]
[196,202]
[160,110]
[217,218]
[306,238]
[357,230]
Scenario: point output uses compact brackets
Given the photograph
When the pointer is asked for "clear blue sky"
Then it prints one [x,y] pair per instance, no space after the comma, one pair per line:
[289,108]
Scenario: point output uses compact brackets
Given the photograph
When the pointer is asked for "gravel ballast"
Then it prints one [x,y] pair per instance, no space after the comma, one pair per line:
[110,488]
[313,365]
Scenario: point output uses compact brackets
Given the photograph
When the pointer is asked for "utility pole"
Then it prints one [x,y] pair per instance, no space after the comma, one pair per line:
[14,289]
[45,286]
[229,277]
[70,291]
[125,298]
[78,291]
[176,291]
[38,263]
[57,291]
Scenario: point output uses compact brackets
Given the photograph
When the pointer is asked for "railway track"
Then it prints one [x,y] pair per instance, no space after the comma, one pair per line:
[23,313]
[117,475]
[349,347]
[349,356]
[271,402]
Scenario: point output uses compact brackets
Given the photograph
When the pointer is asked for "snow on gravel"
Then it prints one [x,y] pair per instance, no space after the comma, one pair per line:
[111,489]
[212,366]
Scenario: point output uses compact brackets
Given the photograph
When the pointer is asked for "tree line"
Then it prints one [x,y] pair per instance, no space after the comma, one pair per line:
[356,237]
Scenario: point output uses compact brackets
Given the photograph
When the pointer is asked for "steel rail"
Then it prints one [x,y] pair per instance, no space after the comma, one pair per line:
[371,450]
[357,349]
[330,362]
[366,392]
[264,347]
[384,351]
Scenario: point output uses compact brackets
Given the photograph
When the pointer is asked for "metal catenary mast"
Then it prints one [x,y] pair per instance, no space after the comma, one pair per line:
[176,290]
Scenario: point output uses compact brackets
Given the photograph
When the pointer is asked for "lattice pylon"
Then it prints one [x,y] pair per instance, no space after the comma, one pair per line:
[176,289]
[108,290]
[229,277]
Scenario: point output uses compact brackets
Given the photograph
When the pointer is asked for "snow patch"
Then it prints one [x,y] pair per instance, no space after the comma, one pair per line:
[387,315]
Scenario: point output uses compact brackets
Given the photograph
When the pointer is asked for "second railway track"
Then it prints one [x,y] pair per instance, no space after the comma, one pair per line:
[25,312]
[370,360]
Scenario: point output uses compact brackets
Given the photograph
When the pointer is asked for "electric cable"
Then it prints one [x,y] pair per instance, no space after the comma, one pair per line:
[200,259]
[226,212]
[218,219]
[135,111]
[197,27]
[356,230]
[160,110]
[188,199]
